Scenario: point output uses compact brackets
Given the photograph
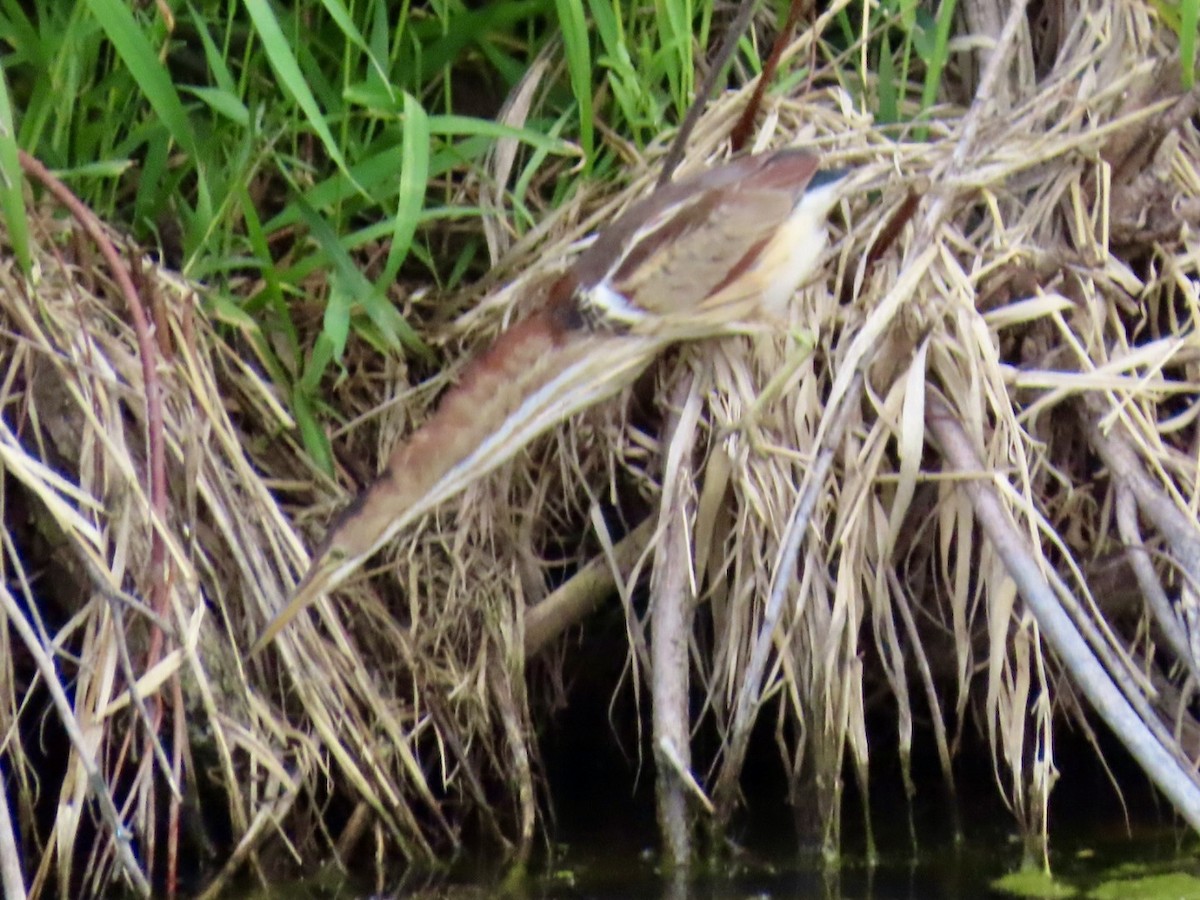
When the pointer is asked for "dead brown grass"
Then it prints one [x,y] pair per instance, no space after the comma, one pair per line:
[1041,305]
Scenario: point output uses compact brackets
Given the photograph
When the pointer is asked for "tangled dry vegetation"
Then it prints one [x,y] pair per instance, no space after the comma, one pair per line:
[975,447]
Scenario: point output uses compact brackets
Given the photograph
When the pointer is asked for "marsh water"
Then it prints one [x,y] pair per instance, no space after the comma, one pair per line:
[1102,846]
[1105,861]
[603,839]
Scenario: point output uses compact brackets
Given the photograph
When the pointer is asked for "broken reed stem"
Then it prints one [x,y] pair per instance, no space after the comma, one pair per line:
[672,598]
[574,600]
[742,131]
[514,721]
[1055,626]
[746,706]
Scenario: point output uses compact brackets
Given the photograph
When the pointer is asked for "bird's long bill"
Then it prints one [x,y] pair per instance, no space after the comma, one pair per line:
[319,579]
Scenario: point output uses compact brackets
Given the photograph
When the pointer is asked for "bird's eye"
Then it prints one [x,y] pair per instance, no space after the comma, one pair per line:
[337,554]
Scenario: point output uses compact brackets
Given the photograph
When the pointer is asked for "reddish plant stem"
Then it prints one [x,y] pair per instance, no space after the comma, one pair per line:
[891,231]
[155,442]
[745,124]
[146,346]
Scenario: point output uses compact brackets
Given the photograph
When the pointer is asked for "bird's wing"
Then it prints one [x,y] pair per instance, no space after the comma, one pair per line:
[722,241]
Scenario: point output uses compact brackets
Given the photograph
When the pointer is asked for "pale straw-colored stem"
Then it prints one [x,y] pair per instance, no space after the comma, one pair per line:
[1055,626]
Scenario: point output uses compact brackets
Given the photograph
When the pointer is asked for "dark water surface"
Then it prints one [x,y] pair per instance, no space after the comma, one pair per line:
[1120,867]
[1103,845]
[609,855]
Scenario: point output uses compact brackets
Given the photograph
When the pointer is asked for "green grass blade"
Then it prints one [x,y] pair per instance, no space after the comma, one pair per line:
[213,57]
[579,68]
[674,18]
[889,95]
[145,68]
[283,61]
[312,435]
[335,326]
[376,172]
[18,31]
[393,326]
[345,22]
[104,168]
[461,126]
[1189,18]
[223,103]
[272,290]
[414,174]
[469,28]
[12,198]
[936,62]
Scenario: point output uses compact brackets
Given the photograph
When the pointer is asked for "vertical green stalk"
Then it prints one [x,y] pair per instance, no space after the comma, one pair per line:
[12,200]
[579,68]
[936,62]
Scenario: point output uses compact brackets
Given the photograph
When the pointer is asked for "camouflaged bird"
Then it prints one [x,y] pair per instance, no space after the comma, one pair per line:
[704,256]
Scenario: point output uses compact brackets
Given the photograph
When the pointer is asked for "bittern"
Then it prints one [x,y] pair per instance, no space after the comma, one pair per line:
[700,257]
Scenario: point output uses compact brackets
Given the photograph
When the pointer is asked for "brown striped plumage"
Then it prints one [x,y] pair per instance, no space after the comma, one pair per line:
[490,389]
[698,257]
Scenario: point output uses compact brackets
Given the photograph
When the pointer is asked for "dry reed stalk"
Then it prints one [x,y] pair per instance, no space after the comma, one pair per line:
[1172,775]
[672,599]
